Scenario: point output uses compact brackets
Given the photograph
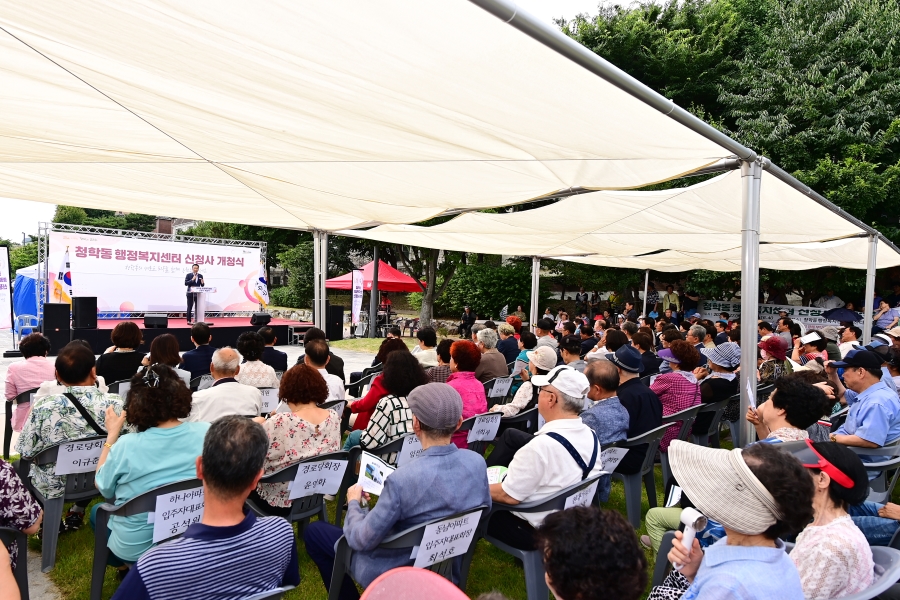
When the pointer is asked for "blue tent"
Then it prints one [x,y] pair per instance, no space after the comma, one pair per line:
[25,291]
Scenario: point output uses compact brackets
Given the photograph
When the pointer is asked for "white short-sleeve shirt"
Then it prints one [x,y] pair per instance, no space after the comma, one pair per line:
[335,386]
[543,467]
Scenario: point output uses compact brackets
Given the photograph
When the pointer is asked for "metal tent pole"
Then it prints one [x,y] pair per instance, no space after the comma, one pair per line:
[870,289]
[535,291]
[751,172]
[323,275]
[373,295]
[646,289]
[317,263]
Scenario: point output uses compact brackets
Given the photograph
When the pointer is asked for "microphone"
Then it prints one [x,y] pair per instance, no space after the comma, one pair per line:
[693,521]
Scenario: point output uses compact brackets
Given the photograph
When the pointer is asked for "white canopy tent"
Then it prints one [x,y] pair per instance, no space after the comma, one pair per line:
[334,115]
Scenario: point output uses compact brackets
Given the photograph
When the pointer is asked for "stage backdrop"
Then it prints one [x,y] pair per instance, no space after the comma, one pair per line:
[140,275]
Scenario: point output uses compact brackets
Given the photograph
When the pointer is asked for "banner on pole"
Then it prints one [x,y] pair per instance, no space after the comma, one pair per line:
[5,290]
[810,316]
[357,291]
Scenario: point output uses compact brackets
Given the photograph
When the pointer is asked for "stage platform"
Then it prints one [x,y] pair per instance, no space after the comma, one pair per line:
[225,331]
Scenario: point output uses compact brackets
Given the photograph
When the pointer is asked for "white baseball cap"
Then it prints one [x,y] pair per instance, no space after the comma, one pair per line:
[566,379]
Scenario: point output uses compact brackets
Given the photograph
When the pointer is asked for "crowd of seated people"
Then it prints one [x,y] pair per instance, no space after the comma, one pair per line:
[797,483]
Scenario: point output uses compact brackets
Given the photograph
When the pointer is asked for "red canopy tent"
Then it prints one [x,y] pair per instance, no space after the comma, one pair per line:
[389,280]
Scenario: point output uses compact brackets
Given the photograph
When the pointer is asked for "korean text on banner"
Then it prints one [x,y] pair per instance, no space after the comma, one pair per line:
[357,292]
[320,477]
[269,399]
[446,539]
[78,457]
[372,473]
[6,315]
[810,316]
[412,448]
[176,512]
[485,427]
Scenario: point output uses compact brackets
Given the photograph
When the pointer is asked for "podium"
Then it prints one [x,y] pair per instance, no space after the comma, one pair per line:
[200,302]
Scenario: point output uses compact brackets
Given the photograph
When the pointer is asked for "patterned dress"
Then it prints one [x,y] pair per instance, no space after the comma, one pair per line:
[54,420]
[292,439]
[833,560]
[258,374]
[392,419]
[17,507]
[677,391]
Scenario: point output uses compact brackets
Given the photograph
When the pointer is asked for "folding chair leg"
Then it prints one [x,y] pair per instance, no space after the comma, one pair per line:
[101,554]
[633,499]
[650,485]
[535,584]
[733,427]
[664,462]
[342,557]
[7,431]
[53,511]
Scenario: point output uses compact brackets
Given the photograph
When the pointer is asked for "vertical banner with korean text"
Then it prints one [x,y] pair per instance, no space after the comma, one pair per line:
[139,275]
[357,292]
[5,290]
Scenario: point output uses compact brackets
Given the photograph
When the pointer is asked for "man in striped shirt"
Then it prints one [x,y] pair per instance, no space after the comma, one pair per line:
[231,553]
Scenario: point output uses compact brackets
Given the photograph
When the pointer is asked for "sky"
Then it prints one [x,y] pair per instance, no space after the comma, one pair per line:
[23,216]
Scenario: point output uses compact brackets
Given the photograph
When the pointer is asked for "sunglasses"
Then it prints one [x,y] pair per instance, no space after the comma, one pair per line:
[811,459]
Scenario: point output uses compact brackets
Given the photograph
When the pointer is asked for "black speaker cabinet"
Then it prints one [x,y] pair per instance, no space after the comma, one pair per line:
[334,323]
[56,326]
[260,318]
[84,312]
[156,321]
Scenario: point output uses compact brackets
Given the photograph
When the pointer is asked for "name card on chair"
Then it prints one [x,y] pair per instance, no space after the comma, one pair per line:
[176,512]
[446,539]
[78,457]
[485,428]
[269,399]
[412,448]
[123,389]
[611,457]
[582,498]
[501,387]
[321,477]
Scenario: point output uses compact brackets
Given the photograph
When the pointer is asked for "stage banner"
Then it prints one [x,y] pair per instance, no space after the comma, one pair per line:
[5,290]
[139,275]
[810,316]
[357,291]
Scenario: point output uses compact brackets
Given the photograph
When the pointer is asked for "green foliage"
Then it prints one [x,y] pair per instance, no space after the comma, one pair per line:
[415,301]
[23,256]
[74,215]
[487,289]
[299,262]
[284,296]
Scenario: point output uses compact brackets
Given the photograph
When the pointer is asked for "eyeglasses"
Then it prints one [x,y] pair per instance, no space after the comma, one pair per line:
[811,459]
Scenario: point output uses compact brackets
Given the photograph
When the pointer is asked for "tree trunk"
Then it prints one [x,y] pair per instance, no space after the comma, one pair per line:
[426,313]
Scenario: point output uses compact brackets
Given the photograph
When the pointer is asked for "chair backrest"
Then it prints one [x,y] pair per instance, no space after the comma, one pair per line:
[271,594]
[146,502]
[358,386]
[388,452]
[467,425]
[26,396]
[78,485]
[332,403]
[687,418]
[201,382]
[652,439]
[527,417]
[885,557]
[8,535]
[554,502]
[114,386]
[718,408]
[763,391]
[304,504]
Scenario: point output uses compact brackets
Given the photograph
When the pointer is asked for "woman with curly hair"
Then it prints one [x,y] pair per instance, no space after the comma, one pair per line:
[305,431]
[678,389]
[164,351]
[464,359]
[365,405]
[391,418]
[163,450]
[758,495]
[254,371]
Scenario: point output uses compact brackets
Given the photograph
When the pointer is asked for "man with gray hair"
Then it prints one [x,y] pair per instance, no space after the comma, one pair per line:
[226,396]
[695,335]
[629,328]
[474,331]
[563,452]
[493,364]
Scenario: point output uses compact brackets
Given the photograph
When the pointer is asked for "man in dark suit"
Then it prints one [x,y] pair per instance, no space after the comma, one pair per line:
[197,361]
[272,357]
[192,280]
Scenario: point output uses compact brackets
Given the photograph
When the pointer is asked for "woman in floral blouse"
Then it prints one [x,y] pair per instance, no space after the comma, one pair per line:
[254,371]
[305,431]
[18,509]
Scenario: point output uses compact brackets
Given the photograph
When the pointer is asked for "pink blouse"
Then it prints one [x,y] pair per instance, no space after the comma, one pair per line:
[677,391]
[474,400]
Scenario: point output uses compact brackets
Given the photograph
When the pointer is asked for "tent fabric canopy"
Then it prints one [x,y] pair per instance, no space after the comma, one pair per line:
[269,113]
[670,230]
[389,280]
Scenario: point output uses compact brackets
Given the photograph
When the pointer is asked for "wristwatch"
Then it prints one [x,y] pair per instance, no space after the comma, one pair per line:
[832,437]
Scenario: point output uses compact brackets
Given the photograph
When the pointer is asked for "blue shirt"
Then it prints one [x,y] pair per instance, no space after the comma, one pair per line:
[254,556]
[442,481]
[886,319]
[886,378]
[874,416]
[138,463]
[609,420]
[745,573]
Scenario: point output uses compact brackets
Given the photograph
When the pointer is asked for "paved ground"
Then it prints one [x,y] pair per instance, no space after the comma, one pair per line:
[39,584]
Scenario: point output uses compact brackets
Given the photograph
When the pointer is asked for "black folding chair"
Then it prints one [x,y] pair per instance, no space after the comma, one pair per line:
[26,396]
[8,535]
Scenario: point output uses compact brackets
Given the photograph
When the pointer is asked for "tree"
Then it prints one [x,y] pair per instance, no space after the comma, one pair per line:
[74,215]
[487,288]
